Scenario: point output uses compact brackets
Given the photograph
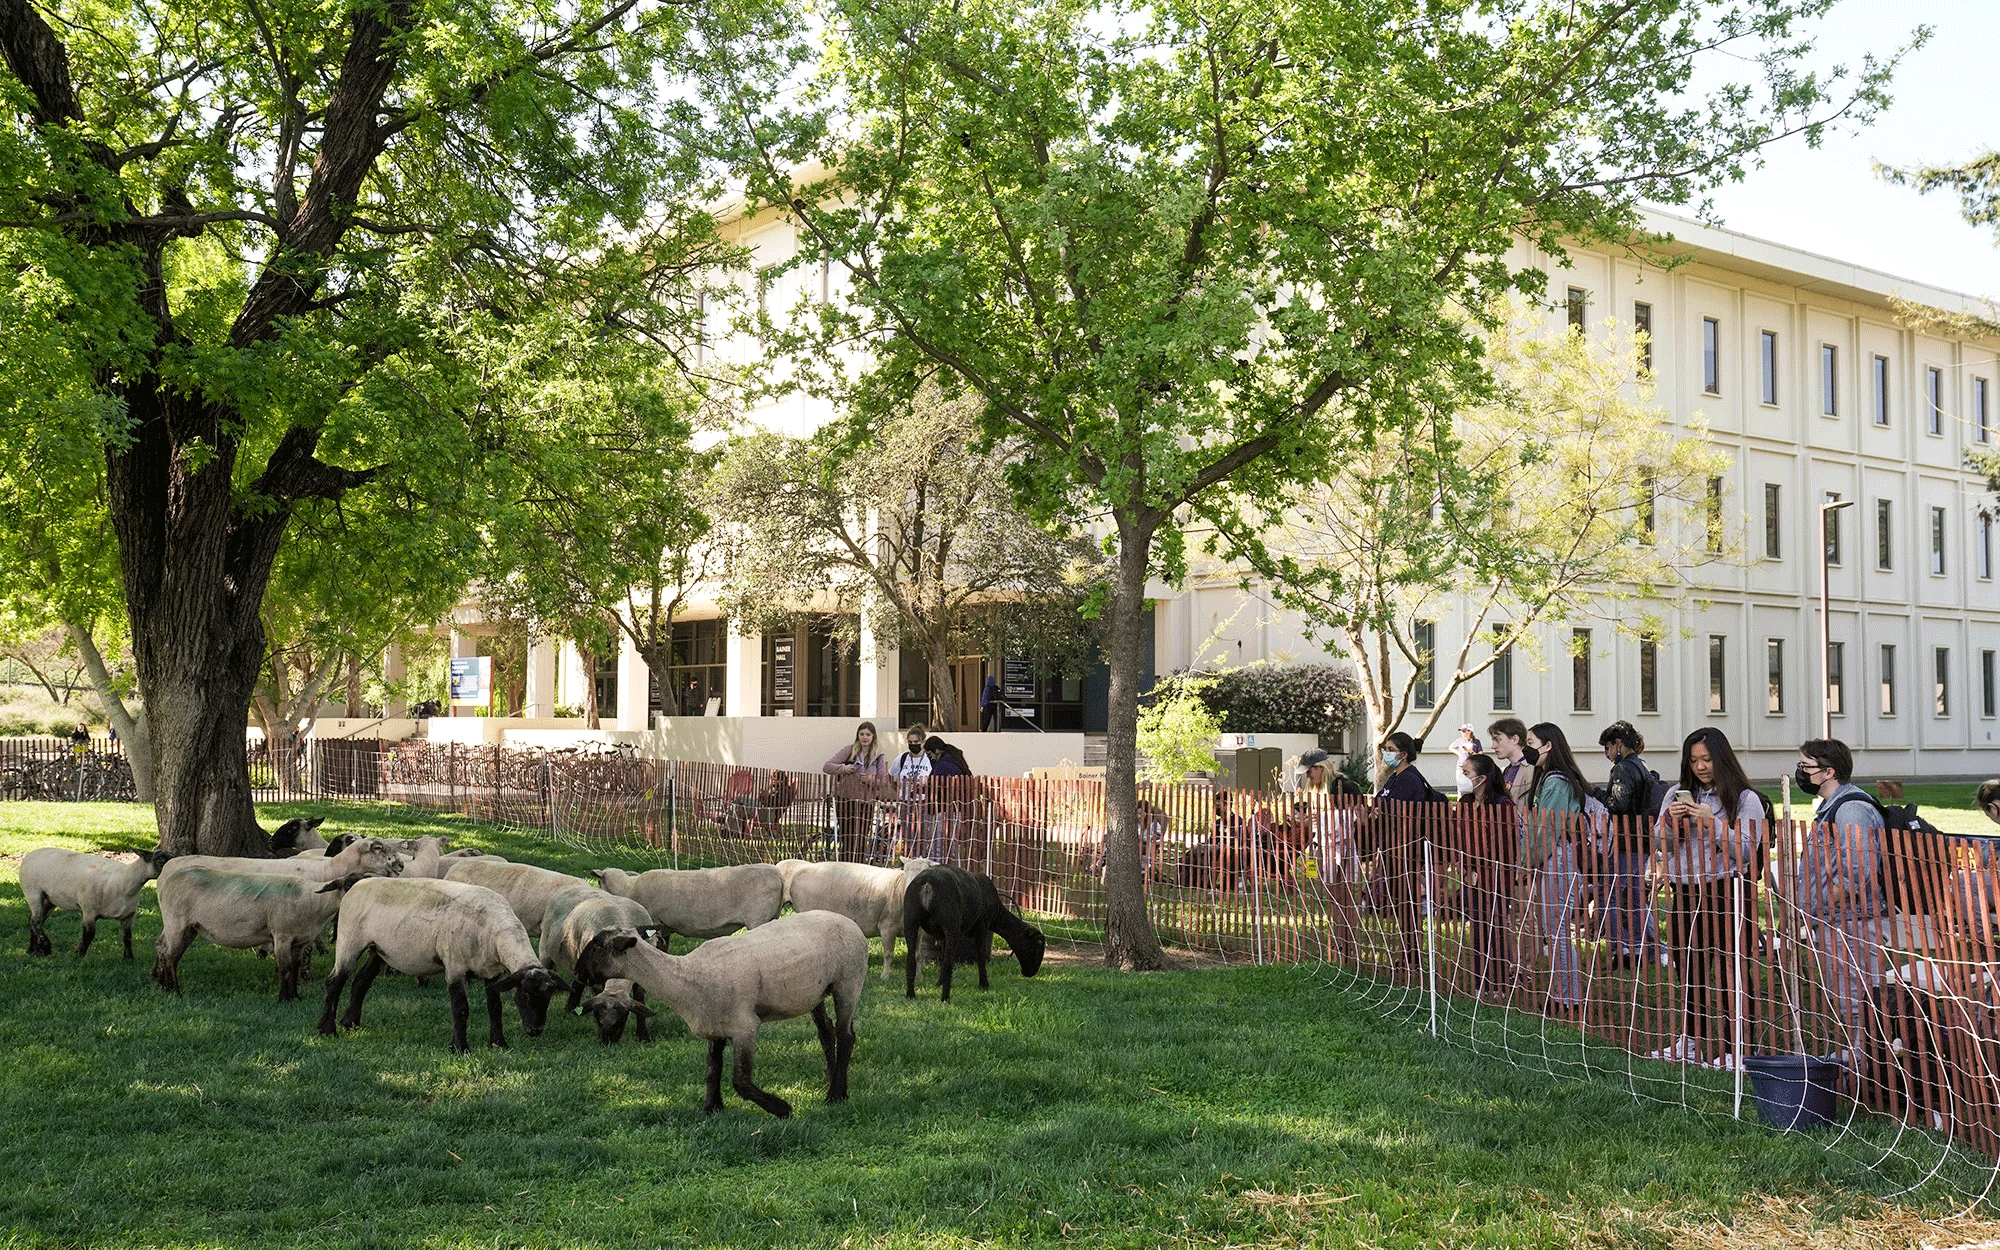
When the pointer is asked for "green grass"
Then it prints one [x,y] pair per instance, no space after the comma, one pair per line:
[1232,1106]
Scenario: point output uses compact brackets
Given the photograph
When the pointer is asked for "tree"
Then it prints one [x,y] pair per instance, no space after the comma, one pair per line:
[904,520]
[1561,493]
[285,251]
[1193,252]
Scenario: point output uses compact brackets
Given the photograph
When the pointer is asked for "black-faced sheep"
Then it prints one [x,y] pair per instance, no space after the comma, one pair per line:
[702,902]
[869,896]
[244,910]
[101,889]
[526,888]
[727,988]
[422,928]
[574,916]
[950,905]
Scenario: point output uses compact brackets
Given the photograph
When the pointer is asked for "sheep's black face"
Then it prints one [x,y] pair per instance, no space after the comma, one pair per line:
[1029,952]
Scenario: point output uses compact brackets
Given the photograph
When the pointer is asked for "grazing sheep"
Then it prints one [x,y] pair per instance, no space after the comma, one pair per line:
[611,1006]
[244,910]
[526,888]
[949,904]
[726,989]
[102,889]
[702,902]
[299,835]
[574,916]
[869,896]
[423,928]
[368,856]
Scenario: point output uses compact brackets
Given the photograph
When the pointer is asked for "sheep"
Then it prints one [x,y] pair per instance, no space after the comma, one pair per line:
[102,889]
[869,896]
[611,1006]
[949,903]
[702,902]
[422,928]
[360,855]
[574,916]
[526,888]
[243,910]
[726,989]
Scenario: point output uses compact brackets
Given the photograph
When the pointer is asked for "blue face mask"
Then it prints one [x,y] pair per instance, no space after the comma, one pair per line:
[1389,759]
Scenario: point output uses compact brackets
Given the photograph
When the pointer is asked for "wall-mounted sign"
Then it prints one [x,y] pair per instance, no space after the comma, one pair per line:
[784,674]
[472,681]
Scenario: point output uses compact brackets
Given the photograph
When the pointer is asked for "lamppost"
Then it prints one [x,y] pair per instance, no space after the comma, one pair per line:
[1826,535]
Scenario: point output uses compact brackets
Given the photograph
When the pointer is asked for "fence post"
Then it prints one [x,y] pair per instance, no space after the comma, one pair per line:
[1430,937]
[1736,998]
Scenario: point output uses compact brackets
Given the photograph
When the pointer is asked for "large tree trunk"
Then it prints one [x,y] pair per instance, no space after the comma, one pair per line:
[1129,940]
[131,727]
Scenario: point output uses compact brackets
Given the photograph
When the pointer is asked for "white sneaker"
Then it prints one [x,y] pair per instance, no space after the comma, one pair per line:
[1680,1050]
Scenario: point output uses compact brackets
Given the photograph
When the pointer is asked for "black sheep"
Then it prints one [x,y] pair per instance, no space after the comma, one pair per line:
[951,905]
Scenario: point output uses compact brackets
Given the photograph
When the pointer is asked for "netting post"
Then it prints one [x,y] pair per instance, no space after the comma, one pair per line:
[1430,937]
[1737,995]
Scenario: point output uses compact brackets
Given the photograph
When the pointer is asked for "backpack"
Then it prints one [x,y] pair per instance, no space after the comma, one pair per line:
[1891,876]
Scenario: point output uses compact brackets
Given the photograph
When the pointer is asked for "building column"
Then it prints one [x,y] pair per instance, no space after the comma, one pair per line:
[744,687]
[880,666]
[632,680]
[394,674]
[541,695]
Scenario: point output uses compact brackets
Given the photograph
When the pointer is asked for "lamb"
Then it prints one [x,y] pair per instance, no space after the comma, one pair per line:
[423,928]
[526,888]
[702,902]
[869,896]
[574,916]
[371,856]
[726,989]
[243,910]
[611,1006]
[949,904]
[102,889]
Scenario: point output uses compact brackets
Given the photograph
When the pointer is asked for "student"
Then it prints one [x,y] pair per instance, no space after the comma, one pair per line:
[1839,886]
[1629,924]
[1548,850]
[1510,746]
[860,775]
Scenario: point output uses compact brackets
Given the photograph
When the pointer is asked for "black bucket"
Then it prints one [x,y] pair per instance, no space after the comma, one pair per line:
[1793,1092]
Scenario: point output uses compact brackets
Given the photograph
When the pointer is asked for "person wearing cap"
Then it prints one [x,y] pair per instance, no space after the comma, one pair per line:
[1465,746]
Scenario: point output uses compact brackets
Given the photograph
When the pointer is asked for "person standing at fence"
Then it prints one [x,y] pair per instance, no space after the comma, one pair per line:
[1548,851]
[1488,821]
[1839,882]
[860,775]
[1510,746]
[1629,923]
[1707,838]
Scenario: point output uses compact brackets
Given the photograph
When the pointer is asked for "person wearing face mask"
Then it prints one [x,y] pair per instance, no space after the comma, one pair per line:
[1839,881]
[1517,767]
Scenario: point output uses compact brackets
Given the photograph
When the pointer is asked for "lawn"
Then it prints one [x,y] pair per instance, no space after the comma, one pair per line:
[1239,1106]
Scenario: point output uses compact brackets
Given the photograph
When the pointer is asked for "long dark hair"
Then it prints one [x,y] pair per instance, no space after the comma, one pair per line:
[1492,782]
[1730,781]
[1556,758]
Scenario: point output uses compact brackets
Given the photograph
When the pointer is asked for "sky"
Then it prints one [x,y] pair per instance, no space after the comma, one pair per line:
[1828,200]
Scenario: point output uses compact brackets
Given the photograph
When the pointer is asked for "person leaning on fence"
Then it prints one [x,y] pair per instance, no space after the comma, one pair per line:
[1629,923]
[1709,835]
[1549,836]
[1839,882]
[1510,746]
[1490,819]
[860,775]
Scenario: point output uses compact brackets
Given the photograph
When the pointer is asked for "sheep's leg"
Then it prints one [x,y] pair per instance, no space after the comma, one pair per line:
[461,1014]
[89,935]
[746,1058]
[495,1036]
[712,1100]
[363,980]
[166,967]
[38,915]
[125,935]
[639,996]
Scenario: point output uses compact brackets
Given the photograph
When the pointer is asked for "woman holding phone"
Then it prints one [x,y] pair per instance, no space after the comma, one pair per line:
[1707,837]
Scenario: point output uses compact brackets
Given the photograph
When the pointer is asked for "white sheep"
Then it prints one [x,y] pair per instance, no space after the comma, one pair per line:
[574,916]
[702,902]
[726,989]
[102,889]
[244,911]
[526,888]
[869,896]
[423,928]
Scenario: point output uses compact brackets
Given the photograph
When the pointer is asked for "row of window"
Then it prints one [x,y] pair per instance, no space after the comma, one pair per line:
[1424,695]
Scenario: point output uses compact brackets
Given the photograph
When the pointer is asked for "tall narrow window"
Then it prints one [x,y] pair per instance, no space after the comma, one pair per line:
[1642,329]
[1424,639]
[1937,541]
[1711,356]
[1986,687]
[1503,670]
[1831,529]
[1885,548]
[1774,674]
[1880,377]
[1934,400]
[1941,681]
[1577,301]
[1579,670]
[1981,420]
[1773,532]
[1718,674]
[1829,380]
[1712,515]
[1647,505]
[1767,359]
[1836,678]
[1983,542]
[1649,675]
[1888,680]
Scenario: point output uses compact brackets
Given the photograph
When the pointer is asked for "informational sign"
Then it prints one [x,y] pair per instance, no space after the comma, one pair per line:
[472,681]
[1017,681]
[784,674]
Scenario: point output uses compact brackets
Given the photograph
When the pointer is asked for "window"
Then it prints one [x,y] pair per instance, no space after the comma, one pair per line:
[1937,541]
[1983,541]
[1885,551]
[1941,681]
[1880,374]
[1986,691]
[1575,303]
[1647,505]
[1642,327]
[1830,521]
[1767,357]
[1774,674]
[1836,678]
[1712,515]
[1424,639]
[1718,674]
[1772,531]
[1711,356]
[1829,380]
[1934,400]
[1503,670]
[1649,675]
[1579,670]
[1981,431]
[1888,681]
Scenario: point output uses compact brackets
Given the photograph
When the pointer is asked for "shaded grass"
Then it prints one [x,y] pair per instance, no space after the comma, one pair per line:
[1229,1106]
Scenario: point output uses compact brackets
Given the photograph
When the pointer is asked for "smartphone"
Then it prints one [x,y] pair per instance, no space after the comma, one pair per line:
[1683,796]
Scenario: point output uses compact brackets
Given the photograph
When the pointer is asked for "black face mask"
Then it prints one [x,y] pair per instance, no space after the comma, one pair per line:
[1802,781]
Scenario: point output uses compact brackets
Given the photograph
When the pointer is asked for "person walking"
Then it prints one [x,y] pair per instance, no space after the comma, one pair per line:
[1510,746]
[1463,747]
[1548,851]
[860,775]
[1839,885]
[1630,926]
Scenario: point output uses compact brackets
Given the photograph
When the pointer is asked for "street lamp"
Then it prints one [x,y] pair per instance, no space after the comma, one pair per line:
[1826,511]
